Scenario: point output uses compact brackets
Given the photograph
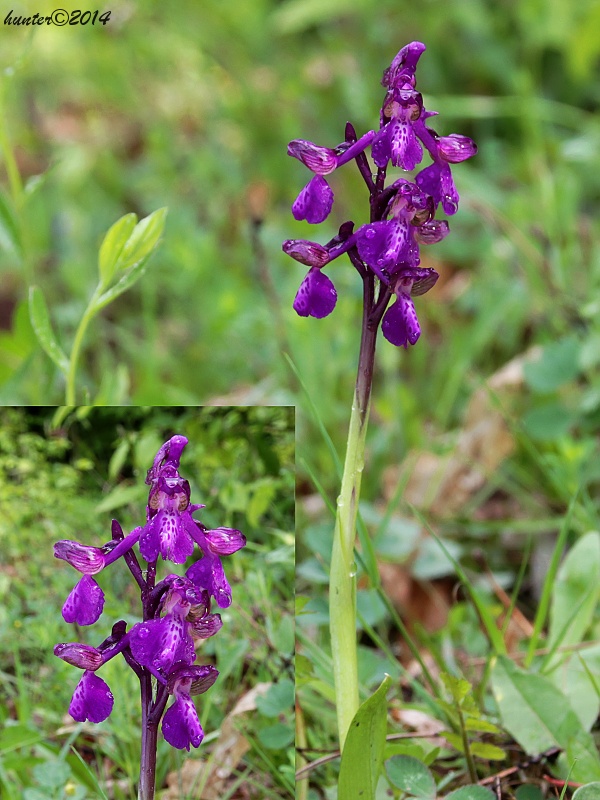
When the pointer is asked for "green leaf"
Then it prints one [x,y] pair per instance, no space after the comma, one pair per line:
[528,791]
[471,792]
[134,256]
[411,776]
[40,321]
[144,239]
[575,594]
[559,363]
[278,699]
[539,716]
[457,687]
[112,246]
[276,737]
[454,739]
[481,725]
[362,757]
[591,791]
[488,751]
[549,422]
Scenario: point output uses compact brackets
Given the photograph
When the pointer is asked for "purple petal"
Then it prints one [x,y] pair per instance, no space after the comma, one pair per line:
[314,201]
[192,679]
[404,145]
[207,573]
[404,65]
[181,726]
[382,244]
[316,296]
[84,558]
[175,542]
[207,626]
[416,280]
[432,231]
[168,454]
[309,253]
[381,149]
[92,699]
[85,602]
[320,160]
[456,148]
[436,180]
[400,325]
[83,656]
[150,541]
[159,643]
[225,541]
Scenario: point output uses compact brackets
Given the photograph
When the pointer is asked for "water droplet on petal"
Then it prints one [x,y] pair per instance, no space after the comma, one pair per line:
[353,570]
[370,233]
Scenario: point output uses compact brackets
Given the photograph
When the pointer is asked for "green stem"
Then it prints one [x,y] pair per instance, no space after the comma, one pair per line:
[342,580]
[76,349]
[465,742]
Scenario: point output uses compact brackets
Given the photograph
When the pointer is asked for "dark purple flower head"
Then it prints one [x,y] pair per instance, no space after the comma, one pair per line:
[402,215]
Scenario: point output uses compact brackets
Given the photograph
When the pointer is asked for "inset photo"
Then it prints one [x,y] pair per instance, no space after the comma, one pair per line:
[146,590]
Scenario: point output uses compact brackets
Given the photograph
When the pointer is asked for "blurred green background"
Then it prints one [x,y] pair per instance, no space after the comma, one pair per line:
[191,105]
[67,481]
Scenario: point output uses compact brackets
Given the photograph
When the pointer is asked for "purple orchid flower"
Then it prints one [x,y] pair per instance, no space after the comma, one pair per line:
[402,217]
[176,611]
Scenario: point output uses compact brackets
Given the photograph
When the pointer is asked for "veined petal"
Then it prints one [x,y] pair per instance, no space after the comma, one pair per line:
[160,643]
[80,655]
[432,231]
[314,202]
[225,541]
[316,296]
[84,558]
[320,160]
[310,253]
[456,148]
